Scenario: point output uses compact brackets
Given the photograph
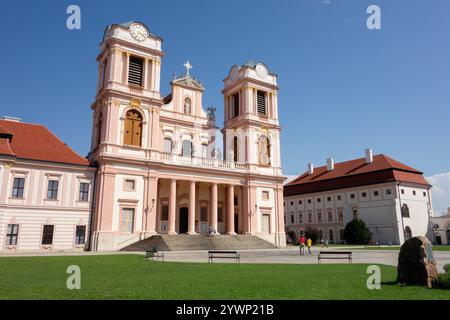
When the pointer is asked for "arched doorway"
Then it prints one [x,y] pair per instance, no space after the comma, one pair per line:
[183,228]
[448,234]
[408,233]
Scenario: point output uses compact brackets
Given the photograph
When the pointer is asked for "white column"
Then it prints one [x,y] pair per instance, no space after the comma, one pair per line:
[230,207]
[214,206]
[191,219]
[172,206]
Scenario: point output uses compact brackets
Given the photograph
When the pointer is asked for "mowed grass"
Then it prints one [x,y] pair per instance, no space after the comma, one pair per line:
[132,277]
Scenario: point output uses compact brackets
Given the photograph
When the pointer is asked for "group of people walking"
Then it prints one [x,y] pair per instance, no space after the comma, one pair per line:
[303,241]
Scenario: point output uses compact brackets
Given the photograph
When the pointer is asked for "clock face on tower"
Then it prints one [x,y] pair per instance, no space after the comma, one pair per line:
[138,31]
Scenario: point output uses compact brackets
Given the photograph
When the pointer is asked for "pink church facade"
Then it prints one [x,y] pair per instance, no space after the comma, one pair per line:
[160,169]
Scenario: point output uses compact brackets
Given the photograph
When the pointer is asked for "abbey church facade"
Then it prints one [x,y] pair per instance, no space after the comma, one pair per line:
[159,171]
[154,167]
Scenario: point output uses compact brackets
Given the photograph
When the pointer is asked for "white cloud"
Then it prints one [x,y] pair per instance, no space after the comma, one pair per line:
[440,192]
[327,2]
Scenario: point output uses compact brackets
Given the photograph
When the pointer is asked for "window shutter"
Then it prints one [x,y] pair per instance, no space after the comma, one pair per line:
[137,129]
[261,102]
[135,71]
[127,139]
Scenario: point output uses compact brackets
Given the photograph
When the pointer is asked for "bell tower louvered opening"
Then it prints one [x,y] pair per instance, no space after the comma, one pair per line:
[261,102]
[135,71]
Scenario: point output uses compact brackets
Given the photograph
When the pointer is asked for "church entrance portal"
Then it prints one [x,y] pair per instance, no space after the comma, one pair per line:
[183,220]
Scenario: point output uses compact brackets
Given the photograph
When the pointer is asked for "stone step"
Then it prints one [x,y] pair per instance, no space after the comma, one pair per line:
[199,242]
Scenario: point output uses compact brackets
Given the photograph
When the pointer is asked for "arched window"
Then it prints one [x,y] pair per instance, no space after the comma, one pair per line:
[330,235]
[407,233]
[405,211]
[99,129]
[167,145]
[133,128]
[186,148]
[264,150]
[235,149]
[187,106]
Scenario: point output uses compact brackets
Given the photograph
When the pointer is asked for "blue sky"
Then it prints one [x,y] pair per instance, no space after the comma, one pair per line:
[343,88]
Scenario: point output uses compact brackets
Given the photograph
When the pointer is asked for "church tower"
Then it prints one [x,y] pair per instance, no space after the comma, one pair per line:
[251,126]
[128,89]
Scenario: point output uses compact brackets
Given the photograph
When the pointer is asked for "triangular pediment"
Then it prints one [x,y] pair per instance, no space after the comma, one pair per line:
[189,82]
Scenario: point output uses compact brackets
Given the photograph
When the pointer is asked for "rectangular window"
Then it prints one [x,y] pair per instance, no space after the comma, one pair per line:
[12,232]
[300,201]
[167,145]
[340,214]
[364,194]
[292,203]
[261,102]
[330,215]
[300,218]
[220,214]
[203,213]
[235,105]
[376,193]
[355,213]
[414,192]
[265,195]
[309,200]
[424,194]
[352,196]
[135,71]
[80,235]
[339,197]
[165,213]
[127,222]
[388,192]
[84,191]
[403,191]
[328,199]
[129,185]
[318,200]
[292,219]
[309,217]
[47,234]
[18,186]
[52,189]
[319,216]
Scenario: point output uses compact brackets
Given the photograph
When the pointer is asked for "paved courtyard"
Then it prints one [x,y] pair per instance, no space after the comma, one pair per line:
[285,256]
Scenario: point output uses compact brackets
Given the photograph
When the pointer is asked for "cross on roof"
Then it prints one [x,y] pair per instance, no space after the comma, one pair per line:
[188,66]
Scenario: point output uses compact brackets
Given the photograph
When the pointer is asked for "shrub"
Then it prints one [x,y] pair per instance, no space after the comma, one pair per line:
[443,281]
[312,233]
[447,268]
[356,232]
[292,235]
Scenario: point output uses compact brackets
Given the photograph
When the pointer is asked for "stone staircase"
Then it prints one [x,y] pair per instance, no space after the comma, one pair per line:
[199,242]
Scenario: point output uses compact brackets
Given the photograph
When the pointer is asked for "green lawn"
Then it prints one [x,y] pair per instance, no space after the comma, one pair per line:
[131,277]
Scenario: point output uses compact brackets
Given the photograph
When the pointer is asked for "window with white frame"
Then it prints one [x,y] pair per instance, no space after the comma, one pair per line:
[167,145]
[47,234]
[52,189]
[80,235]
[18,187]
[84,191]
[12,233]
[127,221]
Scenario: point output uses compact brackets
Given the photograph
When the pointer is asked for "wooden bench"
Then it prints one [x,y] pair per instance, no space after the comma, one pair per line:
[335,255]
[153,253]
[223,255]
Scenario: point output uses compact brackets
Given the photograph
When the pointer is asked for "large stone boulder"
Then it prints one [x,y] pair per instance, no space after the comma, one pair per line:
[416,264]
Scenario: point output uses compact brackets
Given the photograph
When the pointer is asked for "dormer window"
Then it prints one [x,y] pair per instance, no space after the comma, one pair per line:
[261,103]
[187,106]
[135,71]
[235,105]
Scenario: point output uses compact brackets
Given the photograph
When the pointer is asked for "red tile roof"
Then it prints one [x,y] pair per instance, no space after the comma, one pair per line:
[36,142]
[354,173]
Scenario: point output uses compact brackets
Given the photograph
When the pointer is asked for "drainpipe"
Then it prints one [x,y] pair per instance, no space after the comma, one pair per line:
[430,212]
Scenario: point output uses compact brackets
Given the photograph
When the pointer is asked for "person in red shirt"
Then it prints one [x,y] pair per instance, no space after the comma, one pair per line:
[302,245]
